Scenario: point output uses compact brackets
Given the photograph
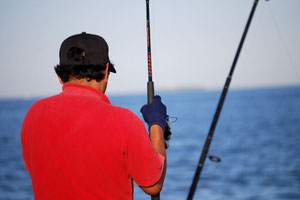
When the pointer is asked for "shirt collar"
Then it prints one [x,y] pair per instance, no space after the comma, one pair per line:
[85,90]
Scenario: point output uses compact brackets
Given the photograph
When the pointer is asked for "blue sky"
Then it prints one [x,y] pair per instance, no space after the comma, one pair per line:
[193,43]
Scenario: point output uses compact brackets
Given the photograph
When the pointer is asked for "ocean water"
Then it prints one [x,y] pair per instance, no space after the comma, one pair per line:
[257,138]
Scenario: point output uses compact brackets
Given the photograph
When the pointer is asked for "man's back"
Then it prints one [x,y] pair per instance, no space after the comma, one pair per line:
[78,146]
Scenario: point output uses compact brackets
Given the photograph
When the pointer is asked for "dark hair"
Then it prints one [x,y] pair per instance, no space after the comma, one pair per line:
[91,72]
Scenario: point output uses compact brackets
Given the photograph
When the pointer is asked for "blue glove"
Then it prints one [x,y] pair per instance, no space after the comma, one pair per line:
[155,113]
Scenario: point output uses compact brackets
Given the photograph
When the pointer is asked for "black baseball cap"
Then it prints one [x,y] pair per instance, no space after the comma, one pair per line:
[84,49]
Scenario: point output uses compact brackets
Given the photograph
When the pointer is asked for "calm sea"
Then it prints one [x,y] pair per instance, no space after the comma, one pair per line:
[257,138]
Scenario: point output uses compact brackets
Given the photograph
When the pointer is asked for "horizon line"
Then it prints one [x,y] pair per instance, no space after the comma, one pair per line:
[160,90]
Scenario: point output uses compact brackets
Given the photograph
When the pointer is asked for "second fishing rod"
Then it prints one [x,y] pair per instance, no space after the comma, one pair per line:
[209,137]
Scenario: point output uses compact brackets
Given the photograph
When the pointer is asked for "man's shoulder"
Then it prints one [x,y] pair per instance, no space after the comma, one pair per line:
[42,101]
[123,112]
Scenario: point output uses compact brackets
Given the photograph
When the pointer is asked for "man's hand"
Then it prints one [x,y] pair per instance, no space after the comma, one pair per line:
[155,113]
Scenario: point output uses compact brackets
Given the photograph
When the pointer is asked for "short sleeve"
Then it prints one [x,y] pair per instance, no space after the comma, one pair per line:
[144,164]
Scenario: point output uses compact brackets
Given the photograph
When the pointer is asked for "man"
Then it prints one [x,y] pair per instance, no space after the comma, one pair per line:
[76,145]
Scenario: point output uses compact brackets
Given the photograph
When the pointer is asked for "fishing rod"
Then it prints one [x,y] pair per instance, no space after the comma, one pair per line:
[150,85]
[204,153]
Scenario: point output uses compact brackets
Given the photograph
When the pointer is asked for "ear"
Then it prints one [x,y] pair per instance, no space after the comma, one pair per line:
[106,71]
[60,81]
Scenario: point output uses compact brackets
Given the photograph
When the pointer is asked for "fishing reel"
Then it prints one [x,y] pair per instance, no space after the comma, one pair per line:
[167,132]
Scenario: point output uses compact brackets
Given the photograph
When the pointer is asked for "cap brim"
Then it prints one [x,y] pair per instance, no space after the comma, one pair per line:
[112,69]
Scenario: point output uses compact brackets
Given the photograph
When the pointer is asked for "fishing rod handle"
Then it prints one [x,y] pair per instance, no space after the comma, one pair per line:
[155,197]
[150,91]
[150,96]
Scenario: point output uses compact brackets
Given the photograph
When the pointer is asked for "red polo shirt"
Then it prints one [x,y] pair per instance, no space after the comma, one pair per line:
[76,145]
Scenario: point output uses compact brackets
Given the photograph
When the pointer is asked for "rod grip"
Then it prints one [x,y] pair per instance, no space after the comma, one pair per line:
[155,197]
[150,96]
[150,91]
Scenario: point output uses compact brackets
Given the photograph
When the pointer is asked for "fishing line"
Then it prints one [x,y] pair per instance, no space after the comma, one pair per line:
[286,49]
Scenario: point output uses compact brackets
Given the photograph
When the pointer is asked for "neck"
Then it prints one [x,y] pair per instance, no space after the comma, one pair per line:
[100,86]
